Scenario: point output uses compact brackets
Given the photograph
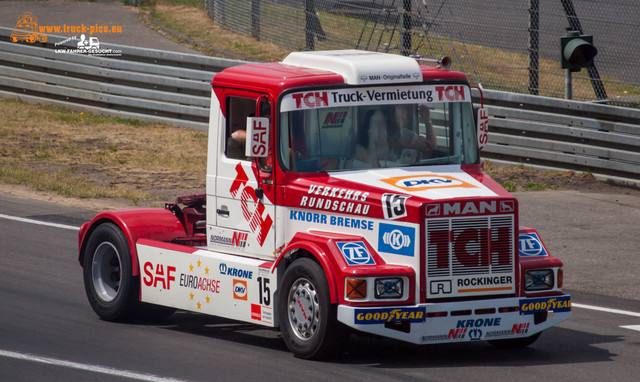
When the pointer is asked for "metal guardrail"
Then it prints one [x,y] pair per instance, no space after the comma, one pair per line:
[543,131]
[146,84]
[174,88]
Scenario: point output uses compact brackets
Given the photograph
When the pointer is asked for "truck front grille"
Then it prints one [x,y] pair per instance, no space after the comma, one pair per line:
[476,254]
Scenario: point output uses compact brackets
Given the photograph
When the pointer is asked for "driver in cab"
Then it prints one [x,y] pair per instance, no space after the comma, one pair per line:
[388,135]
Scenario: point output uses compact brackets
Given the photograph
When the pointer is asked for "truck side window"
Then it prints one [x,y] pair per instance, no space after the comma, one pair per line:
[238,109]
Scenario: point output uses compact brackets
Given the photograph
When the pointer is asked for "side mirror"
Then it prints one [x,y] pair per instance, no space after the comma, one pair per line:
[481,116]
[257,137]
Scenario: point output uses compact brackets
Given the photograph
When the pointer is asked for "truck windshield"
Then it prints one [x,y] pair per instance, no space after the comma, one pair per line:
[377,127]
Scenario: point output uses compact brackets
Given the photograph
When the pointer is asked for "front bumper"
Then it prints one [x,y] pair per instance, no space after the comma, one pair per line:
[504,318]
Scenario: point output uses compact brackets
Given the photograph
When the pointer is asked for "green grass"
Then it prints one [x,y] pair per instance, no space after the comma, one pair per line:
[83,155]
[64,183]
[510,186]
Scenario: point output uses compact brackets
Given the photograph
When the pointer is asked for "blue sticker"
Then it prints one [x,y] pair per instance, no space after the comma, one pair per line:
[396,239]
[355,253]
[531,245]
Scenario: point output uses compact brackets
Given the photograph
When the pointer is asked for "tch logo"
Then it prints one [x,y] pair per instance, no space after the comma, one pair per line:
[452,93]
[311,99]
[259,222]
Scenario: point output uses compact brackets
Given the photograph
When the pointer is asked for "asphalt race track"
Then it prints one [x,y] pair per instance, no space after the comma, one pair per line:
[48,329]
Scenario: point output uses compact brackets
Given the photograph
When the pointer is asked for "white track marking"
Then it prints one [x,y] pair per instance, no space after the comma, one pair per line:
[69,364]
[608,310]
[87,367]
[38,222]
[615,311]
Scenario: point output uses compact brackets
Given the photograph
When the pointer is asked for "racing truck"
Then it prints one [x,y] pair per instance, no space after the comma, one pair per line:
[344,193]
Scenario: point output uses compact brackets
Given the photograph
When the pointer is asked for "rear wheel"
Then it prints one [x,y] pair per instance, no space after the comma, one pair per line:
[307,319]
[111,289]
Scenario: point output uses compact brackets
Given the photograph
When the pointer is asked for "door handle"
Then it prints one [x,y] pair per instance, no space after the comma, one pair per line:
[222,212]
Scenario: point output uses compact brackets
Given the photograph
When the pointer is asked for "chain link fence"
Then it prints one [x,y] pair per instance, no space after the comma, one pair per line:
[510,45]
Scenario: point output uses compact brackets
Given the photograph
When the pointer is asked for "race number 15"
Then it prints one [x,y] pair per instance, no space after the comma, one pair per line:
[264,297]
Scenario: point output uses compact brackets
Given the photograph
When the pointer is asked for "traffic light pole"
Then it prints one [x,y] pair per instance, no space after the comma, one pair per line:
[574,22]
[568,85]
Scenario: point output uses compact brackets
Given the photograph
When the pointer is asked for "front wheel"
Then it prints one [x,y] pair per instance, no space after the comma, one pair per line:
[307,319]
[111,289]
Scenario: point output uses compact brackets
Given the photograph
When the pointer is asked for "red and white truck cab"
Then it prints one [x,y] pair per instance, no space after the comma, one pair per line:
[344,191]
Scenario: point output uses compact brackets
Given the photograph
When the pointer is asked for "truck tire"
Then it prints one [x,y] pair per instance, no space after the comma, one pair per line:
[516,342]
[111,289]
[307,318]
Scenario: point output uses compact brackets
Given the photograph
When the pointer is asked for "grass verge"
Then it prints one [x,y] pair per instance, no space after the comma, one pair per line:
[83,155]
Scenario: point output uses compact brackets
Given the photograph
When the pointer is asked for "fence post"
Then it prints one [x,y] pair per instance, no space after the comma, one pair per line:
[255,19]
[534,28]
[406,49]
[220,11]
[309,13]
[209,7]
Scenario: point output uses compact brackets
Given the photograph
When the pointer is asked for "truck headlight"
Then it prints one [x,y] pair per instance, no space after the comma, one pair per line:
[538,279]
[388,288]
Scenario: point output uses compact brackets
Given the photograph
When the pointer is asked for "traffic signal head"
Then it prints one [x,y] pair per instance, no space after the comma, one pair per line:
[577,51]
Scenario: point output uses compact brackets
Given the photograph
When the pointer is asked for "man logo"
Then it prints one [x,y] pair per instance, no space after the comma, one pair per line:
[433,209]
[355,253]
[507,206]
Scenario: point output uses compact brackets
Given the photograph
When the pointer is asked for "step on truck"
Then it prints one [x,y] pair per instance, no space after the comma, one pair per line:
[344,192]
